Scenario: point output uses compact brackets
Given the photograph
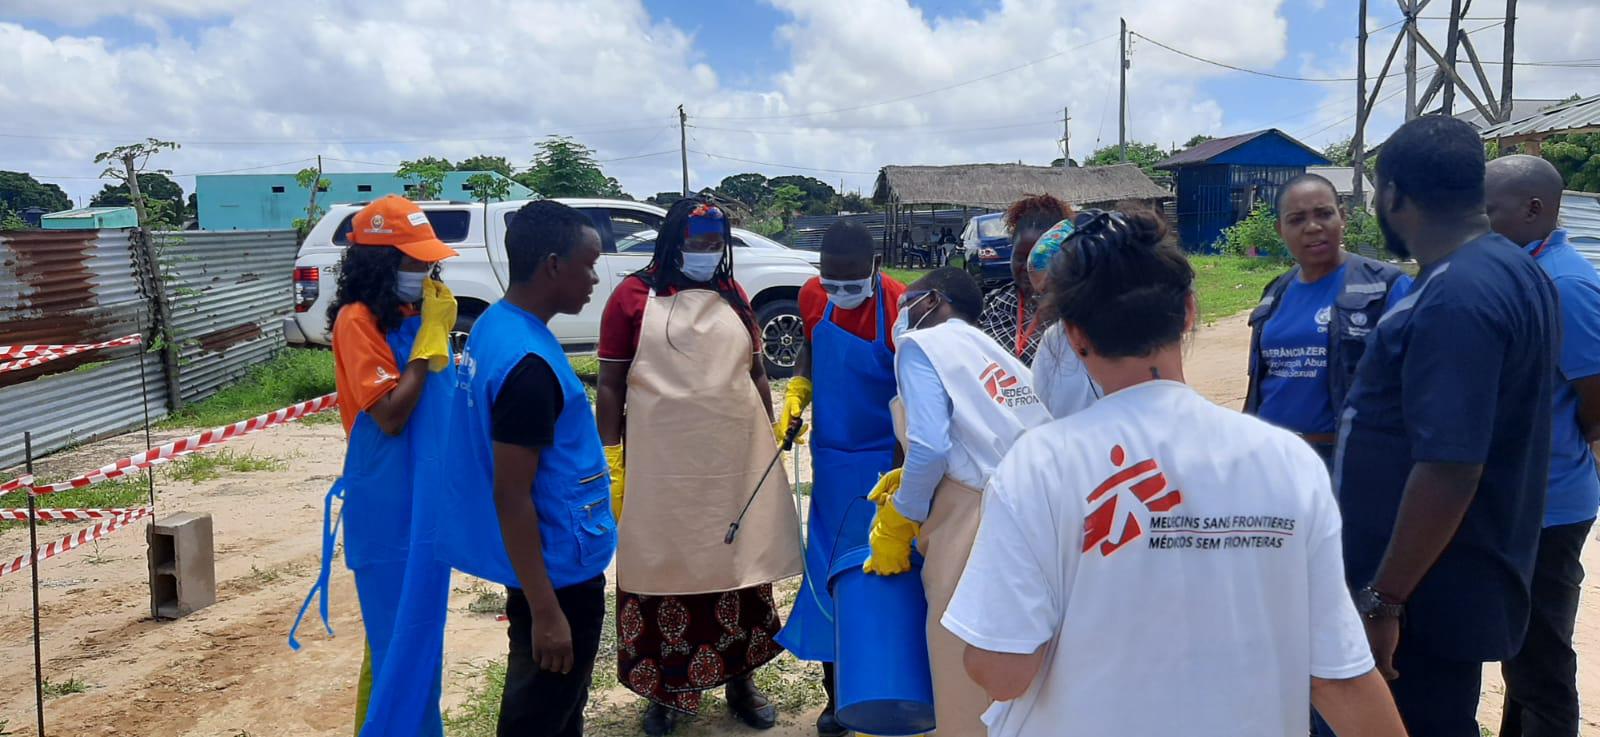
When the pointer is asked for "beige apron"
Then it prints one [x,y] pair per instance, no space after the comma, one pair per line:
[945,542]
[698,439]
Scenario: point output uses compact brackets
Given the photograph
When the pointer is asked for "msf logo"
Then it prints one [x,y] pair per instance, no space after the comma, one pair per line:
[1006,390]
[1113,524]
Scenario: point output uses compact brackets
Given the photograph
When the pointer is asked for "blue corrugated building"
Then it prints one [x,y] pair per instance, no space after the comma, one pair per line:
[266,201]
[1218,182]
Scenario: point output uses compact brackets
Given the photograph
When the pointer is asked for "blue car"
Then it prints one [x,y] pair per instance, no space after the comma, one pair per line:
[988,247]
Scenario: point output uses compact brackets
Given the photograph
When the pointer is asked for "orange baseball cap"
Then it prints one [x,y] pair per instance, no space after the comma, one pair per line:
[393,220]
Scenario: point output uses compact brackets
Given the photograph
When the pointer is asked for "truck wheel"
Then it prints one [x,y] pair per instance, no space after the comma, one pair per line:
[782,335]
[466,317]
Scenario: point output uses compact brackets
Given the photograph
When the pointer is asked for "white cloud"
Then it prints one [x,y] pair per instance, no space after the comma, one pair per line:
[311,74]
[84,12]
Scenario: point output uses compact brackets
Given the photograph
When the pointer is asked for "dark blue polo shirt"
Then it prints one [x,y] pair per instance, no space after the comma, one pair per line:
[1459,371]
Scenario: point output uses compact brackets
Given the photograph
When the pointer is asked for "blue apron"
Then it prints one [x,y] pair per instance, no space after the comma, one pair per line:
[852,444]
[392,489]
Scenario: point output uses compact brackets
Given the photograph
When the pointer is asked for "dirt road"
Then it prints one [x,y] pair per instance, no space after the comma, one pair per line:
[227,671]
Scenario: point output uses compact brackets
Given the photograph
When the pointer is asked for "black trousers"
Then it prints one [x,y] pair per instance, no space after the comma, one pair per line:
[538,703]
[1542,680]
[1436,697]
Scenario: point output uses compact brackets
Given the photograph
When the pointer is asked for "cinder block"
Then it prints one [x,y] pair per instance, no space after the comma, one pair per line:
[183,572]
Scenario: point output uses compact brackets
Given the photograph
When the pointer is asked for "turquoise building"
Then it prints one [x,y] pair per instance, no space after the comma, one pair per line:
[271,201]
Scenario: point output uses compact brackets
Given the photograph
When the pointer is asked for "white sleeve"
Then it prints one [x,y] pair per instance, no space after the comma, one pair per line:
[1339,648]
[1006,601]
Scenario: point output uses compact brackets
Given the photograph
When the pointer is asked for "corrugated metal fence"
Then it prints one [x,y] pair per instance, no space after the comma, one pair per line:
[228,293]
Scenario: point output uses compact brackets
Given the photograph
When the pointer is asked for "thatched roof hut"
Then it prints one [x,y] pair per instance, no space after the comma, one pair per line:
[995,186]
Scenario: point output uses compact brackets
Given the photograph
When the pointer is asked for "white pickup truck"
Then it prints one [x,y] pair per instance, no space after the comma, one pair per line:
[770,273]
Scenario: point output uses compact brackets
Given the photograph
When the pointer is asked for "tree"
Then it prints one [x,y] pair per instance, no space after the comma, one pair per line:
[496,164]
[818,196]
[751,189]
[565,168]
[1198,139]
[1146,155]
[20,191]
[854,202]
[787,199]
[426,175]
[310,178]
[488,188]
[1577,157]
[162,204]
[1338,152]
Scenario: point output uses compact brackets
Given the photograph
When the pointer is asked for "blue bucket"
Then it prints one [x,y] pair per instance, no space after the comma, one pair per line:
[884,685]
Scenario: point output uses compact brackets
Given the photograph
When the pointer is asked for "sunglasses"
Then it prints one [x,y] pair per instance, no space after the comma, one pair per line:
[850,288]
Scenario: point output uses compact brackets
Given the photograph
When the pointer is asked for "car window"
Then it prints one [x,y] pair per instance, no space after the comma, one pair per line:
[642,242]
[992,228]
[450,226]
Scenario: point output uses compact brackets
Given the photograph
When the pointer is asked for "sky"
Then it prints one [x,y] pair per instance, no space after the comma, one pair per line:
[834,89]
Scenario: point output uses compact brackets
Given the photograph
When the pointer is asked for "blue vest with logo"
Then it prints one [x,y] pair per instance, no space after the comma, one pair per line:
[571,491]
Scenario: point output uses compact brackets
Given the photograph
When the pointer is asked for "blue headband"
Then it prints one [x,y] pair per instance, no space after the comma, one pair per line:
[705,220]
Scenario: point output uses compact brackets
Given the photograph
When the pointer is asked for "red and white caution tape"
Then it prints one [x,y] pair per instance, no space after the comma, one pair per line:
[75,540]
[63,515]
[28,356]
[184,446]
[16,484]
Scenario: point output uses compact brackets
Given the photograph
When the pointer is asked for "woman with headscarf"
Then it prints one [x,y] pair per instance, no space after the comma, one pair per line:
[685,413]
[1010,314]
[1311,327]
[1058,374]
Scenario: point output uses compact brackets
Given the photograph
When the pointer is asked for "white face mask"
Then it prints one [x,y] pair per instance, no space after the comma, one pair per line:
[848,294]
[408,286]
[902,323]
[701,266]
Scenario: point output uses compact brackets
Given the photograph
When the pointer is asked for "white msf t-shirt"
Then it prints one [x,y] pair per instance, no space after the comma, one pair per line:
[1181,560]
[1059,377]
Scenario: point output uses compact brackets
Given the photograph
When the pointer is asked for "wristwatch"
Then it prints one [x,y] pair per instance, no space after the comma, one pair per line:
[1371,604]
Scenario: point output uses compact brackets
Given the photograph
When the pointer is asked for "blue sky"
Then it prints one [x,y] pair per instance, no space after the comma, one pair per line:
[803,86]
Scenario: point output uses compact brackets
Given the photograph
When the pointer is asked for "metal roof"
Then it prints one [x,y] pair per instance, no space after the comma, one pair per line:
[1215,147]
[1577,116]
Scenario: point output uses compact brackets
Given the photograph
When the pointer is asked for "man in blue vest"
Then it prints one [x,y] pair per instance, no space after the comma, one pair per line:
[527,452]
[1523,200]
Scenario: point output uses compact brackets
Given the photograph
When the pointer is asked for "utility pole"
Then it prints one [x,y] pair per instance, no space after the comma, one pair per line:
[1122,95]
[1410,31]
[1066,136]
[683,147]
[1358,154]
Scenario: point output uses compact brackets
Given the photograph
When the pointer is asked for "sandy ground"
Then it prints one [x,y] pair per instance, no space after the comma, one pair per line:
[227,671]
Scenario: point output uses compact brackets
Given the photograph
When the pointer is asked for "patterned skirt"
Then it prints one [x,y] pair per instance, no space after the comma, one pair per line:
[670,648]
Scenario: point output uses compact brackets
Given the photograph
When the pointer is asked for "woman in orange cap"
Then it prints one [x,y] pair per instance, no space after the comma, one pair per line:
[391,327]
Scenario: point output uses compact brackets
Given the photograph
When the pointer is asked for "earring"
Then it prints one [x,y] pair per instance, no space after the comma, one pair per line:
[1083,352]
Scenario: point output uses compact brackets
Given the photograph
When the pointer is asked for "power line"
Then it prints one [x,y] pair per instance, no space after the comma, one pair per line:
[194,174]
[780,166]
[925,93]
[1287,77]
[636,156]
[81,138]
[802,130]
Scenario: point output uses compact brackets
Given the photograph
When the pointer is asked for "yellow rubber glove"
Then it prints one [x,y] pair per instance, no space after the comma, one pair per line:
[886,487]
[438,319]
[795,400]
[891,538]
[614,464]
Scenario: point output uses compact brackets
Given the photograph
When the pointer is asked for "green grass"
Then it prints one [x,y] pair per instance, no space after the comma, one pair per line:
[294,375]
[125,492]
[54,689]
[480,713]
[1228,285]
[216,464]
[906,276]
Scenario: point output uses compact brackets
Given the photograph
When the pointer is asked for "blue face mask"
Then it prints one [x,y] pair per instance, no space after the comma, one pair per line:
[408,286]
[701,267]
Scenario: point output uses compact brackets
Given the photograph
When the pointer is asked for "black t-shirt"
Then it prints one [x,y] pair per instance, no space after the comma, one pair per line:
[1459,371]
[525,411]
